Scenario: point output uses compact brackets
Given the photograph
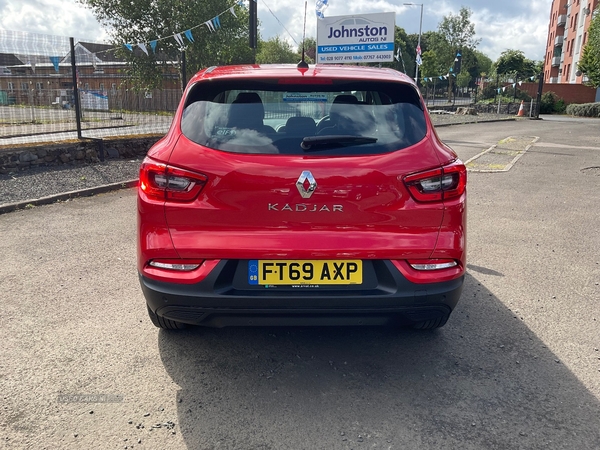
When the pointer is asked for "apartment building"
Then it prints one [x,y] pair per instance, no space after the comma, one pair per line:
[567,35]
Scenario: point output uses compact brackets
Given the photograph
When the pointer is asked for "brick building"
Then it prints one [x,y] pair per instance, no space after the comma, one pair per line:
[567,35]
[36,80]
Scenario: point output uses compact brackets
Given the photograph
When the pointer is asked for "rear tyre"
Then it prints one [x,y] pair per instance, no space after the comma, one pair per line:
[165,324]
[431,324]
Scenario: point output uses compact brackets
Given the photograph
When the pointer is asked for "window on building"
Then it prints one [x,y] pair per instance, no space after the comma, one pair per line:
[11,86]
[39,86]
[86,86]
[24,87]
[102,86]
[575,20]
[571,50]
[113,87]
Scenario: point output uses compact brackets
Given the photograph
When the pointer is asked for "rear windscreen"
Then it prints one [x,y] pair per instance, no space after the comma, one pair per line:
[267,117]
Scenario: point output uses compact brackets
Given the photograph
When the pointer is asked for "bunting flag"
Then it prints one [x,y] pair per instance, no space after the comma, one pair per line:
[32,64]
[397,55]
[210,25]
[213,25]
[54,60]
[520,83]
[320,7]
[179,39]
[143,47]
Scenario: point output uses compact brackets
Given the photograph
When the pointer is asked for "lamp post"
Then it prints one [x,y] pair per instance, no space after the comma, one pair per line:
[419,41]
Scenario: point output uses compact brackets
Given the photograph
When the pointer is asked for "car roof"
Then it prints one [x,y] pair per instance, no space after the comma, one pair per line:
[313,71]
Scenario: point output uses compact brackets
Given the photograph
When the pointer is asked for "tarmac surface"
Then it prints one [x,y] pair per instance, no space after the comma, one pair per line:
[517,366]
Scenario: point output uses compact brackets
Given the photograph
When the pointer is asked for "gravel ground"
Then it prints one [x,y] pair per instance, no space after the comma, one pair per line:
[40,182]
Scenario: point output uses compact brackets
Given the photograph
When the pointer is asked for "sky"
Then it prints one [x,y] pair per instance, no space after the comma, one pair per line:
[510,24]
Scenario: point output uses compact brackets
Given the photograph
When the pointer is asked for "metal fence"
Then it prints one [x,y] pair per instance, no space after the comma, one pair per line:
[56,88]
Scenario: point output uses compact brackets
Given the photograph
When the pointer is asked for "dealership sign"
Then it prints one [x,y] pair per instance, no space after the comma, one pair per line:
[358,38]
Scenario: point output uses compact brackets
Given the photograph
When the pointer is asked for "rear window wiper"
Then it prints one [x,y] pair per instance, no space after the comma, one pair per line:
[315,143]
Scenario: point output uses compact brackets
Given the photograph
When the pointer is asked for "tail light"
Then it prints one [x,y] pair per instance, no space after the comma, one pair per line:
[432,264]
[422,271]
[180,271]
[163,182]
[437,185]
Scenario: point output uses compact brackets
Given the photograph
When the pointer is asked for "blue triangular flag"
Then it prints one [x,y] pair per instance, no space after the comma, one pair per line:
[217,22]
[153,46]
[129,47]
[188,35]
[55,60]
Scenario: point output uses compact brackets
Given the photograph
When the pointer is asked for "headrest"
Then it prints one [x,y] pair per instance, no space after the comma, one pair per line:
[340,102]
[300,125]
[246,111]
[346,98]
[247,97]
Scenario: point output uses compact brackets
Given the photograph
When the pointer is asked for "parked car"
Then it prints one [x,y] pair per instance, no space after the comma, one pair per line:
[301,196]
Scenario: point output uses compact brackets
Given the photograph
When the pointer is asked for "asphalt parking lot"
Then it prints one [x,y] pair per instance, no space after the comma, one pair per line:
[516,367]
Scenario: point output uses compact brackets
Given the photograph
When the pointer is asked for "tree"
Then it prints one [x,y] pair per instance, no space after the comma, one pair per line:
[406,64]
[510,62]
[431,66]
[143,21]
[276,51]
[310,49]
[457,34]
[590,60]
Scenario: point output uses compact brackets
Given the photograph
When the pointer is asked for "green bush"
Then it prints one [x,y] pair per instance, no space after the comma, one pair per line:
[552,103]
[584,109]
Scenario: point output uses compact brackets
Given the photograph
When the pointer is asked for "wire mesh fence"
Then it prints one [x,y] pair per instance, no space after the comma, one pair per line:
[55,87]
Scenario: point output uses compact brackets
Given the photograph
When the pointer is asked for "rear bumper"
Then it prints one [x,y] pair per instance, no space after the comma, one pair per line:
[221,299]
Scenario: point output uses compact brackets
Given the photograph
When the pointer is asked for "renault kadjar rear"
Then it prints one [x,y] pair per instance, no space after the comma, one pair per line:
[301,196]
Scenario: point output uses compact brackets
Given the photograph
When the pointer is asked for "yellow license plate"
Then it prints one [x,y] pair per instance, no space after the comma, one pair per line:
[304,272]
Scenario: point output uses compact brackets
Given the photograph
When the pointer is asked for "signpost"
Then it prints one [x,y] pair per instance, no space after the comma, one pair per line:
[356,38]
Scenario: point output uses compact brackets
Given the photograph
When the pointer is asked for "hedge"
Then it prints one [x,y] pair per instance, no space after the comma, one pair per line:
[584,109]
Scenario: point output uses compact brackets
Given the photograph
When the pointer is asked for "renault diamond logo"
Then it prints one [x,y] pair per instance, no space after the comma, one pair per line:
[306,184]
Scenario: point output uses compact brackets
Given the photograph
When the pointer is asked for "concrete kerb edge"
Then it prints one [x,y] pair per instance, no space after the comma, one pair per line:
[476,121]
[10,207]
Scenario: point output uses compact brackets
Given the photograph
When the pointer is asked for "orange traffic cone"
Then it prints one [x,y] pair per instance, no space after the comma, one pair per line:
[521,112]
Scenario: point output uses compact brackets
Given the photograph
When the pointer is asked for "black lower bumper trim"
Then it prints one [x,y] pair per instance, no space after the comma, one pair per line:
[217,301]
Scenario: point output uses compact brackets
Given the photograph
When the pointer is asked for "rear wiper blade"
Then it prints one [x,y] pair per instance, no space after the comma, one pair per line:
[313,143]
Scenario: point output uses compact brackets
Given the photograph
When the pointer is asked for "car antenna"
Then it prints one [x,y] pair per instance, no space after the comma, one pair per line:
[303,64]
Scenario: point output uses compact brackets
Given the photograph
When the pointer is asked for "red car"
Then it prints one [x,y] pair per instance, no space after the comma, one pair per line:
[284,195]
